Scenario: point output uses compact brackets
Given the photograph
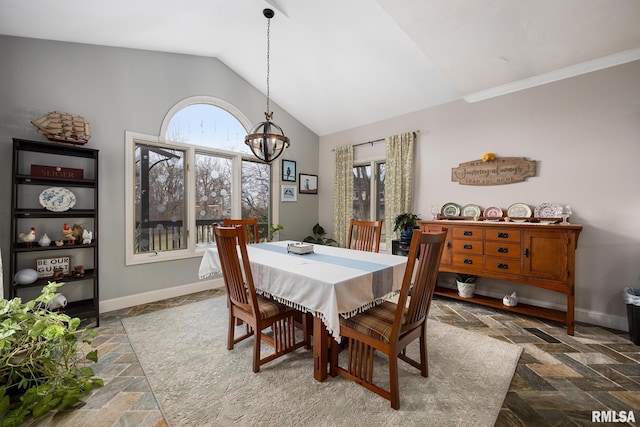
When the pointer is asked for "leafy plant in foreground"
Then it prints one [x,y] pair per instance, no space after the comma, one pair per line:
[41,359]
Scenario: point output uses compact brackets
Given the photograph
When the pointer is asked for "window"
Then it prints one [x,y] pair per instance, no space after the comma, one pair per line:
[160,212]
[196,173]
[368,193]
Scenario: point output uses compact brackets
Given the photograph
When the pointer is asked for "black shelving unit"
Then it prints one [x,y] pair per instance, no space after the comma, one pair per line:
[26,210]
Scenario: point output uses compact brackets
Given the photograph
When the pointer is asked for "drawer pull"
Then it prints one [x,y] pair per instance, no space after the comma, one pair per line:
[503,235]
[503,266]
[468,261]
[526,253]
[448,245]
[503,250]
[467,233]
[468,246]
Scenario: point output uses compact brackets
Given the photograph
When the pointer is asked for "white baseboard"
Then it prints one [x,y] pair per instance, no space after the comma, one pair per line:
[581,315]
[153,296]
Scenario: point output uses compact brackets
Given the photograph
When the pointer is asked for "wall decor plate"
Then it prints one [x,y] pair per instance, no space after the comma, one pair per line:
[471,210]
[492,212]
[450,209]
[57,199]
[548,210]
[519,211]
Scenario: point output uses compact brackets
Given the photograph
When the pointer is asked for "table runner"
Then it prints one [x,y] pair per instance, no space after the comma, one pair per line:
[331,282]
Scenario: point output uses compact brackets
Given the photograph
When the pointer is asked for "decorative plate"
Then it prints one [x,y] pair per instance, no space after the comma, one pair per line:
[57,199]
[471,210]
[548,210]
[519,210]
[492,212]
[450,209]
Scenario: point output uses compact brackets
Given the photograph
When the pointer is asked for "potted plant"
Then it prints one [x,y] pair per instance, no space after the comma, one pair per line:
[405,222]
[466,284]
[40,364]
[318,237]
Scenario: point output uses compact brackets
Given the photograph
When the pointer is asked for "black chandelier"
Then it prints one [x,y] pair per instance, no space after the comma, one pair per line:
[266,139]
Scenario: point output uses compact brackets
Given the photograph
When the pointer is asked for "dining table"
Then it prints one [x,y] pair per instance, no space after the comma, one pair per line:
[330,282]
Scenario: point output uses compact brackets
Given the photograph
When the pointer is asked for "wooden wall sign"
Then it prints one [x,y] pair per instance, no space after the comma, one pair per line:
[501,170]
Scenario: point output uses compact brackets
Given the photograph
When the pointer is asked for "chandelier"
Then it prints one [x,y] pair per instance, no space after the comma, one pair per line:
[266,139]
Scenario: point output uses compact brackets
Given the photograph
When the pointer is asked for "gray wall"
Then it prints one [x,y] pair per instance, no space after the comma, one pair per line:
[125,89]
[584,132]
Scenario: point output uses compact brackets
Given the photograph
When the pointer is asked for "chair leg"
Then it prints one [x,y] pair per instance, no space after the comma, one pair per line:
[424,361]
[305,331]
[334,349]
[257,342]
[393,382]
[231,332]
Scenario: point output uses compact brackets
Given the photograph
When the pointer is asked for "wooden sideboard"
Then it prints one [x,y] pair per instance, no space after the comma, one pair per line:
[528,253]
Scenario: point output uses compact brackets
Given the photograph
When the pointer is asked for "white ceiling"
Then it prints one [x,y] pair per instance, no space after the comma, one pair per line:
[339,64]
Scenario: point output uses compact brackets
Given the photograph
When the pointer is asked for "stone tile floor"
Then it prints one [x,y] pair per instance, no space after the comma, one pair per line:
[559,381]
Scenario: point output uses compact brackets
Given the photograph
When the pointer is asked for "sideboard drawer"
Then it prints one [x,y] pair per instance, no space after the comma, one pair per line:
[467,246]
[468,233]
[500,249]
[468,260]
[503,235]
[503,265]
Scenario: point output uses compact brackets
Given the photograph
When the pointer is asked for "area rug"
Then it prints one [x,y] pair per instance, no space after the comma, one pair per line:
[198,382]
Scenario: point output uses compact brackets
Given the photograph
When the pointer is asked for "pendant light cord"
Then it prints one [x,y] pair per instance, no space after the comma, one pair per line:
[268,113]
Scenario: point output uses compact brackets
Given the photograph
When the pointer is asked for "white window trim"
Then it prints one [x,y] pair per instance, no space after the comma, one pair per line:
[131,137]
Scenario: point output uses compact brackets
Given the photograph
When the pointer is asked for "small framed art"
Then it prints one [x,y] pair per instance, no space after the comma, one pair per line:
[308,184]
[288,193]
[289,170]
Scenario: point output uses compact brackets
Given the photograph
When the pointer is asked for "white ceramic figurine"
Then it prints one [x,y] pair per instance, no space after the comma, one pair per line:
[510,300]
[87,236]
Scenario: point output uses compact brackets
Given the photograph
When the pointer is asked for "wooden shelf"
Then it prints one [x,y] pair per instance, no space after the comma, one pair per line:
[89,274]
[529,310]
[22,247]
[33,180]
[43,213]
[25,209]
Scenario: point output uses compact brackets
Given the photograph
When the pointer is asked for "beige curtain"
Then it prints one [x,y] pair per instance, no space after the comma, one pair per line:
[342,193]
[398,186]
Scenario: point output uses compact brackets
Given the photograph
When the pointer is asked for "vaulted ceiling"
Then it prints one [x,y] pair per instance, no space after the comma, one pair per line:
[339,64]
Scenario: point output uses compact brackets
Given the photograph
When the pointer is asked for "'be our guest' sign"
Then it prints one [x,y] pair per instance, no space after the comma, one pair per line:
[501,170]
[45,266]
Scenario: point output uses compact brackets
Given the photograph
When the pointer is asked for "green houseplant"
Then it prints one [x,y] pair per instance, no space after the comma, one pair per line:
[405,223]
[318,237]
[40,364]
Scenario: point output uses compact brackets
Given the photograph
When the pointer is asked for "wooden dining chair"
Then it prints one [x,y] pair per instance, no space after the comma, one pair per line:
[250,227]
[364,235]
[259,313]
[389,327]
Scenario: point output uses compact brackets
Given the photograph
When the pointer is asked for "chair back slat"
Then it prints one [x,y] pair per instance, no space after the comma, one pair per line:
[364,235]
[250,227]
[420,277]
[234,262]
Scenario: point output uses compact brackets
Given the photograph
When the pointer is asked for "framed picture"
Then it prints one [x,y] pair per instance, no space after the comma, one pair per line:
[308,184]
[288,193]
[289,170]
[45,266]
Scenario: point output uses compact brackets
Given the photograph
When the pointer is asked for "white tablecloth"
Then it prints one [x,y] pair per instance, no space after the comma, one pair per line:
[331,282]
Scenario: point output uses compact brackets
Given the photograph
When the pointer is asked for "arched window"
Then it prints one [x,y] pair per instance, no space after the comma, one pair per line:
[225,180]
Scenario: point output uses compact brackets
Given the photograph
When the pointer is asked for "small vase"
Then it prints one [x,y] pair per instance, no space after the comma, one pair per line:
[466,290]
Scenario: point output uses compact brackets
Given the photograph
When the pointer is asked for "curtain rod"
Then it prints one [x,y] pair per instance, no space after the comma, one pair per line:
[415,132]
